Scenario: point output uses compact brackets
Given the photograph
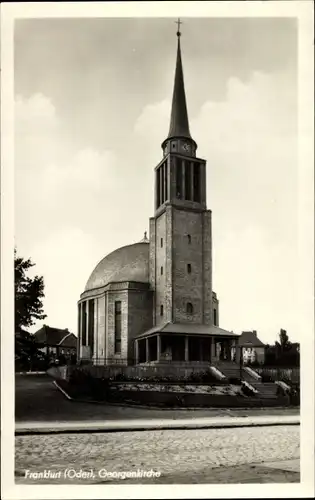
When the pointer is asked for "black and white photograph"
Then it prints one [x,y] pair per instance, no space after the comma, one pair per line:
[157,241]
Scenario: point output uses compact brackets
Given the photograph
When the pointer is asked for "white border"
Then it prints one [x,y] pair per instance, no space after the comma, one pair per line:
[303,10]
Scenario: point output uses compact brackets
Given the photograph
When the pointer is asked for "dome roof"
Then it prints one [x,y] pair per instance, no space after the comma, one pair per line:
[129,263]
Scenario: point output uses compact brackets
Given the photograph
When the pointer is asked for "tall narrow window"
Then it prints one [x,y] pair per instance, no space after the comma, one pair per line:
[161,310]
[215,317]
[178,163]
[161,270]
[196,182]
[161,242]
[189,238]
[158,190]
[162,184]
[189,268]
[79,323]
[91,324]
[187,181]
[117,327]
[165,181]
[189,308]
[84,323]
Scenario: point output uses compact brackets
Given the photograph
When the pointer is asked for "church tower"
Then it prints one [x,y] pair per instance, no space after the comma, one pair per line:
[180,231]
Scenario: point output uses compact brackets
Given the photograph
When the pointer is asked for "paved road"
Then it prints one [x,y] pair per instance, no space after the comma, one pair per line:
[186,456]
[37,399]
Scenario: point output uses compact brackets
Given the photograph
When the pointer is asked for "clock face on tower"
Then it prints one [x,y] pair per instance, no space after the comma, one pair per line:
[186,147]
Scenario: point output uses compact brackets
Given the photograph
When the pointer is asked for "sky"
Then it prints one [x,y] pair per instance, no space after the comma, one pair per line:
[92,107]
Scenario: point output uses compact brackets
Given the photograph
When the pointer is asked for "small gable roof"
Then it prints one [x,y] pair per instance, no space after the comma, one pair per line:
[55,336]
[250,338]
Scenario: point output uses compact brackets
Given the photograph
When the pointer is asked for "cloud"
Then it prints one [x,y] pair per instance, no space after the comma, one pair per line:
[87,169]
[37,109]
[57,185]
[151,127]
[62,196]
[66,257]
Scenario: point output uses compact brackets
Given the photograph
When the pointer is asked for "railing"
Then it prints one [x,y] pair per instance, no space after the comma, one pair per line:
[102,361]
[115,361]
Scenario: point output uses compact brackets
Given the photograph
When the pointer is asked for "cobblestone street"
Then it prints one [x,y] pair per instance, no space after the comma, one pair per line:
[185,456]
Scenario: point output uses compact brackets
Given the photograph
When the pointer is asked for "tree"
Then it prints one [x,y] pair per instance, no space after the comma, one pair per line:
[283,346]
[29,294]
[27,352]
[285,343]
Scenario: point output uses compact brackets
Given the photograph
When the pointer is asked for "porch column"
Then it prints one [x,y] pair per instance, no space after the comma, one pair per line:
[186,348]
[200,349]
[147,349]
[238,353]
[136,351]
[212,350]
[158,347]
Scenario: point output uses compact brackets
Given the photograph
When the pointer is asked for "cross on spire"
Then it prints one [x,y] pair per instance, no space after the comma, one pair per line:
[178,22]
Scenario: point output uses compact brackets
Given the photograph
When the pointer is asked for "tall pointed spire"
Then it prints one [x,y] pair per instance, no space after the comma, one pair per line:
[179,126]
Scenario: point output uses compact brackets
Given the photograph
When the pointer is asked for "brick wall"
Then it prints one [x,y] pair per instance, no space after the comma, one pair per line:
[176,286]
[139,315]
[187,287]
[207,267]
[152,263]
[160,261]
[110,337]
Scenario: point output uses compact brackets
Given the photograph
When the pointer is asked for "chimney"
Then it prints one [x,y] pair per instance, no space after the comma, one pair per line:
[255,333]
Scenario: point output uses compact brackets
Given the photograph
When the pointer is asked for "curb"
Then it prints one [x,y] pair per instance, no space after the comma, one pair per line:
[106,427]
[30,373]
[177,408]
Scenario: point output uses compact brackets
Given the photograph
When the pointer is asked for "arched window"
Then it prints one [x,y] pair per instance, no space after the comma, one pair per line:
[189,238]
[189,268]
[161,270]
[189,308]
[161,310]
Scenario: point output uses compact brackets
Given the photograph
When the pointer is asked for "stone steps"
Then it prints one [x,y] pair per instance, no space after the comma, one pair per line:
[266,390]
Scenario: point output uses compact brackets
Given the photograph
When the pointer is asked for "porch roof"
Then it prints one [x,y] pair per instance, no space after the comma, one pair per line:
[188,329]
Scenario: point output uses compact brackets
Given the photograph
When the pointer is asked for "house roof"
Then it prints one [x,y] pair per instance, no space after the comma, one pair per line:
[250,338]
[188,329]
[55,336]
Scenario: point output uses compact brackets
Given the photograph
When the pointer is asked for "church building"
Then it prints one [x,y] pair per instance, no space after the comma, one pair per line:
[152,301]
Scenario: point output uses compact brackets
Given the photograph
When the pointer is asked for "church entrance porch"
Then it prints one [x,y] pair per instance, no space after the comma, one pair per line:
[166,348]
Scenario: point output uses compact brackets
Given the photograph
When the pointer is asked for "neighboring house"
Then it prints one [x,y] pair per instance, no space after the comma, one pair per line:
[253,349]
[57,341]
